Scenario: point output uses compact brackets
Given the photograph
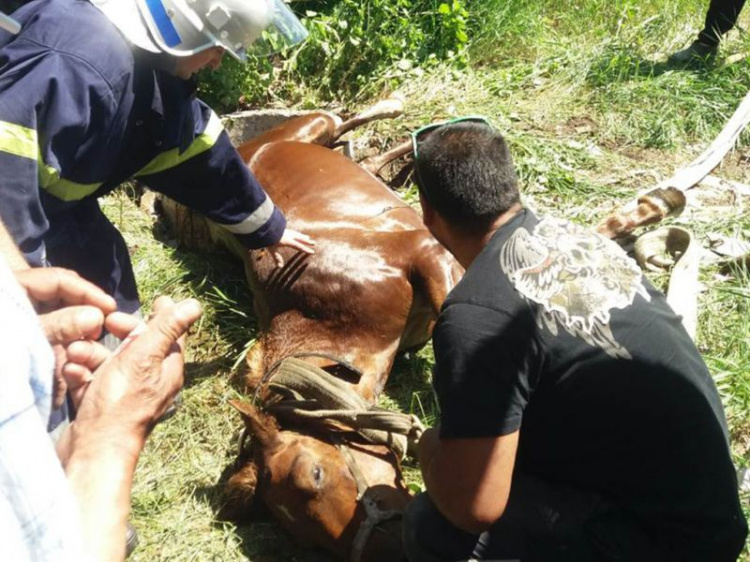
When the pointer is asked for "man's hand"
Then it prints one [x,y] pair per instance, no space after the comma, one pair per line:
[132,388]
[291,239]
[84,357]
[70,309]
[50,288]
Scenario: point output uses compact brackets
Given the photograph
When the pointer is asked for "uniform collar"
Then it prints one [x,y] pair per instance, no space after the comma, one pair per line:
[166,98]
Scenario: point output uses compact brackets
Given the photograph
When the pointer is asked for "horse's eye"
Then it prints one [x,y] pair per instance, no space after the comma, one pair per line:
[317,476]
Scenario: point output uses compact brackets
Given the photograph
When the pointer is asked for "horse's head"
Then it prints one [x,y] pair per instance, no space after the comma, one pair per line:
[343,496]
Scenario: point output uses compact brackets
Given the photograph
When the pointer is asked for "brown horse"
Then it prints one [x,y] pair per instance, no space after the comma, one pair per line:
[373,287]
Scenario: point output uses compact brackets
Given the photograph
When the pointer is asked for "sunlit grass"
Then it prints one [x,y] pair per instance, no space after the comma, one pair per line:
[593,116]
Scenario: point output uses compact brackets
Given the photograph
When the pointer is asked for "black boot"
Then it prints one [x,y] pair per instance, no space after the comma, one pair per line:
[697,53]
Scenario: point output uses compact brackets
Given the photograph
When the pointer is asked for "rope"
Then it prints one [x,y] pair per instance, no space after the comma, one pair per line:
[315,396]
[272,370]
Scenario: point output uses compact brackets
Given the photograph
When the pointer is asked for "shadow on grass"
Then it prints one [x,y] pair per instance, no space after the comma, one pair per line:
[621,65]
[198,371]
[218,280]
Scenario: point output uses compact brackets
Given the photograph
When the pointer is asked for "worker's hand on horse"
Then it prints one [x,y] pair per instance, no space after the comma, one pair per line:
[291,239]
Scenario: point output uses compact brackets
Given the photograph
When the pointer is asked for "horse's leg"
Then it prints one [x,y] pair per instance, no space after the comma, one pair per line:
[374,164]
[320,128]
[386,109]
[651,208]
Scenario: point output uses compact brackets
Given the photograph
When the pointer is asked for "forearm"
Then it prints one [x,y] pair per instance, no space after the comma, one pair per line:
[468,479]
[100,470]
[10,251]
[218,184]
[426,450]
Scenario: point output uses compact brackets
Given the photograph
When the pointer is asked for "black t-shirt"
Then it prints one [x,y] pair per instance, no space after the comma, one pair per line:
[553,330]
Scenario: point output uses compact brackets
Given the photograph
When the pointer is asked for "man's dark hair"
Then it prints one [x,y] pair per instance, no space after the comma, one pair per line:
[466,173]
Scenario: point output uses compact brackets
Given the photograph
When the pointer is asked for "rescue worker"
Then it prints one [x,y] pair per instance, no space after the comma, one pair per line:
[96,93]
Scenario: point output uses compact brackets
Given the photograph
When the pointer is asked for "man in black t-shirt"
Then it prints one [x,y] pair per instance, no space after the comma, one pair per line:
[578,420]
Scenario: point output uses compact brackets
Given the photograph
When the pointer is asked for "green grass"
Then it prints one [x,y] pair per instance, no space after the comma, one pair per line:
[593,116]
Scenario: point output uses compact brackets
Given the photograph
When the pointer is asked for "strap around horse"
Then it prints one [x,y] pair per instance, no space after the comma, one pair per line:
[373,514]
[275,367]
[315,396]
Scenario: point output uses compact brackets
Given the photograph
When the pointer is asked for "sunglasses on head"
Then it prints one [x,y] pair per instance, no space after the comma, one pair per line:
[419,135]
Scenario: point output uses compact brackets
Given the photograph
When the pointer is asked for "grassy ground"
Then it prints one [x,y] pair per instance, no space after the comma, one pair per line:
[593,115]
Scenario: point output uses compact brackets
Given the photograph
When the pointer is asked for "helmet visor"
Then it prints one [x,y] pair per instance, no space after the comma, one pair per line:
[282,30]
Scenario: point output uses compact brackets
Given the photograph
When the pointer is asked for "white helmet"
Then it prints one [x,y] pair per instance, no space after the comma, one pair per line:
[185,27]
[9,24]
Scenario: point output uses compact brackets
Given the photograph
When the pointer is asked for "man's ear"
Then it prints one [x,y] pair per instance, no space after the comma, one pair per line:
[428,213]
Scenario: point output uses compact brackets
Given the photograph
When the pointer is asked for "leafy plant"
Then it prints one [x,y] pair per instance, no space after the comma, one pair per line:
[355,48]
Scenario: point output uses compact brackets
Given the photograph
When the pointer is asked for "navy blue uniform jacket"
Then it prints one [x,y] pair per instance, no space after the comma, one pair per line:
[82,110]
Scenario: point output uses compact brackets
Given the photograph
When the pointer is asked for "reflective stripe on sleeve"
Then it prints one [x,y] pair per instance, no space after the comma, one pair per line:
[172,158]
[50,180]
[257,219]
[18,140]
[22,141]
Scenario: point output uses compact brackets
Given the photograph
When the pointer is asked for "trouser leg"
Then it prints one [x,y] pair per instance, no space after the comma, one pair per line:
[542,523]
[430,537]
[721,17]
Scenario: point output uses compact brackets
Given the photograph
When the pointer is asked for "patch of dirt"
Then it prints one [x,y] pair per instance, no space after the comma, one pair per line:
[579,125]
[736,165]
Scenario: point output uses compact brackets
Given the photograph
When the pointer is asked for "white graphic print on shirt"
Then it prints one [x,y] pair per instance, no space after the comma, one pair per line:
[576,276]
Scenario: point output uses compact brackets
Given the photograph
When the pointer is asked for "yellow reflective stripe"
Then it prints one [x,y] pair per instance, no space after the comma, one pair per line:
[172,158]
[50,180]
[22,141]
[18,140]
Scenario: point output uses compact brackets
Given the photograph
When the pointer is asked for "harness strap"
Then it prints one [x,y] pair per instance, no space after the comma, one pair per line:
[316,395]
[275,367]
[373,514]
[400,432]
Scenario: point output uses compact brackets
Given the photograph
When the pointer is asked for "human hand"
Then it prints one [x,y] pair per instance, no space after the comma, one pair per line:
[134,386]
[84,357]
[291,239]
[70,308]
[50,288]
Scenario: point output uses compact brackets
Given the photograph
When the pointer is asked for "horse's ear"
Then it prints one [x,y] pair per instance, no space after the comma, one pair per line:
[239,494]
[241,487]
[262,427]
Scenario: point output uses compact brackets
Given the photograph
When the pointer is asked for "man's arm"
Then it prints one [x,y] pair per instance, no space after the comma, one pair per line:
[117,404]
[483,362]
[211,177]
[129,391]
[468,479]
